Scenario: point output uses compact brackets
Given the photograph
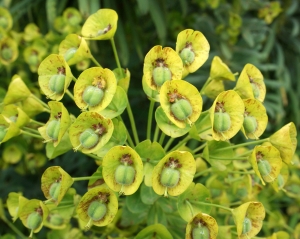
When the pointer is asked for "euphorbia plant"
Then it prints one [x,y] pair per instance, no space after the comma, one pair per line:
[183,180]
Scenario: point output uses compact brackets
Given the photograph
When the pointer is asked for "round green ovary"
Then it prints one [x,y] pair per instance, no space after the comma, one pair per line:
[92,95]
[250,124]
[280,181]
[255,90]
[222,121]
[34,220]
[161,75]
[55,219]
[70,53]
[52,129]
[124,174]
[6,53]
[54,190]
[33,60]
[3,22]
[264,167]
[169,177]
[88,138]
[247,225]
[181,109]
[96,210]
[187,56]
[3,131]
[201,232]
[57,83]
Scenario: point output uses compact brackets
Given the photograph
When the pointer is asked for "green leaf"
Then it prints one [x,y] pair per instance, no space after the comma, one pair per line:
[63,147]
[155,231]
[143,6]
[51,12]
[135,203]
[156,215]
[158,19]
[148,196]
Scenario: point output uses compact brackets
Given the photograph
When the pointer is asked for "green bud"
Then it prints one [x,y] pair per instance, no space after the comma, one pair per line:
[33,59]
[255,90]
[280,181]
[125,174]
[169,177]
[181,109]
[55,219]
[250,124]
[187,56]
[54,190]
[70,53]
[88,138]
[201,232]
[52,129]
[161,74]
[264,167]
[92,95]
[6,53]
[57,83]
[34,220]
[97,210]
[247,225]
[3,131]
[3,22]
[222,121]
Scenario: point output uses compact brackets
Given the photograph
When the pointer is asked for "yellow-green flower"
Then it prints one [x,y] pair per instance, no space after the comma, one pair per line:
[8,130]
[8,51]
[15,202]
[193,48]
[15,114]
[6,20]
[31,32]
[161,65]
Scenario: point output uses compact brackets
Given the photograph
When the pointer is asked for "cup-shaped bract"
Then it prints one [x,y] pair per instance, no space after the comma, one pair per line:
[174,173]
[55,183]
[55,221]
[15,114]
[255,119]
[74,49]
[72,17]
[95,89]
[90,132]
[161,65]
[6,20]
[8,51]
[54,76]
[35,53]
[250,83]
[159,230]
[285,140]
[32,215]
[101,25]
[122,170]
[57,125]
[123,78]
[193,49]
[31,32]
[282,178]
[203,226]
[181,102]
[15,202]
[151,94]
[8,130]
[248,219]
[266,162]
[226,115]
[98,206]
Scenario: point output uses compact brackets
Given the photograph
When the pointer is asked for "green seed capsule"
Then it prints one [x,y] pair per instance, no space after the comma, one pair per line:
[52,129]
[70,53]
[222,121]
[57,83]
[92,95]
[33,60]
[6,53]
[255,90]
[181,109]
[280,181]
[169,177]
[187,56]
[88,138]
[54,190]
[264,167]
[3,131]
[34,220]
[55,219]
[250,124]
[124,174]
[97,210]
[161,75]
[247,225]
[201,232]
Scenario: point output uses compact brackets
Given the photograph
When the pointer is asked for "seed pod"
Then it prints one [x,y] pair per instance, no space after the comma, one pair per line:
[280,181]
[55,219]
[187,55]
[3,131]
[70,53]
[97,210]
[222,121]
[264,168]
[201,232]
[6,53]
[88,139]
[247,225]
[161,74]
[255,89]
[52,129]
[250,124]
[181,109]
[169,177]
[57,83]
[92,95]
[34,220]
[54,190]
[124,174]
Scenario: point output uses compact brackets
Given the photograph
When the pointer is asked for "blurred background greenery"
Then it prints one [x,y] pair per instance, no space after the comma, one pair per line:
[261,32]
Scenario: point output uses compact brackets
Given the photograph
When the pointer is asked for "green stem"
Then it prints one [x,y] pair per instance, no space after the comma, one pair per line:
[202,146]
[235,158]
[202,172]
[34,131]
[205,84]
[213,205]
[14,228]
[129,139]
[85,178]
[41,102]
[112,41]
[156,133]
[150,114]
[168,144]
[95,61]
[70,94]
[132,123]
[36,122]
[190,207]
[94,156]
[243,144]
[74,79]
[182,142]
[246,153]
[161,138]
[30,134]
[242,172]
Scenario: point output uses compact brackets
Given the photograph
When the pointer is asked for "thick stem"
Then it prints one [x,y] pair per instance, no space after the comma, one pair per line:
[213,205]
[244,144]
[31,134]
[36,122]
[70,94]
[156,133]
[85,178]
[182,142]
[150,115]
[95,61]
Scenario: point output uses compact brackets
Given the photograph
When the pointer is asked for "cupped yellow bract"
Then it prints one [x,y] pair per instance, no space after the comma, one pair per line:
[160,65]
[13,113]
[193,48]
[285,140]
[101,25]
[9,51]
[250,83]
[6,20]
[232,106]
[255,119]
[177,90]
[15,202]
